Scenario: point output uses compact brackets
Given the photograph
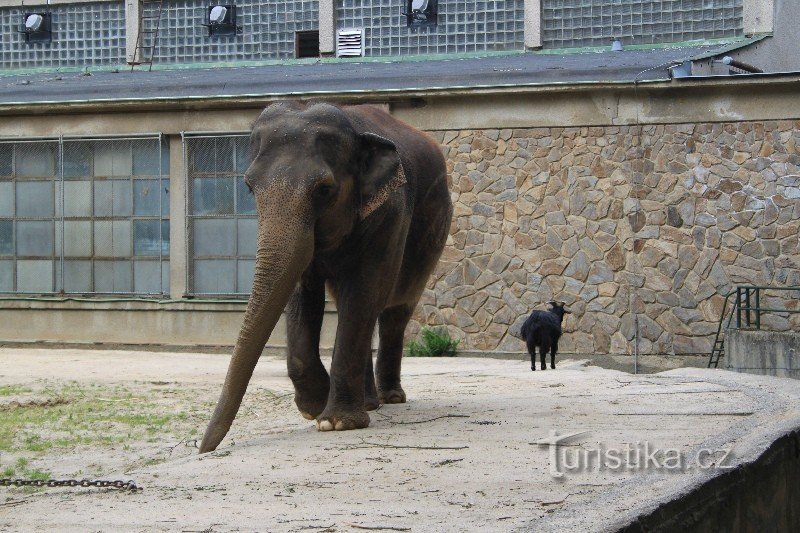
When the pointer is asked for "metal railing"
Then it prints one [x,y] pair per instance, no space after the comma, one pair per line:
[747,311]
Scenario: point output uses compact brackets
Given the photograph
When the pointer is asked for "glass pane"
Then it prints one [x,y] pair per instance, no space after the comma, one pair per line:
[214,237]
[78,159]
[6,199]
[214,276]
[113,276]
[78,238]
[34,238]
[35,160]
[212,196]
[147,277]
[244,276]
[147,237]
[165,277]
[112,238]
[164,156]
[77,276]
[165,238]
[242,153]
[34,199]
[210,156]
[35,276]
[146,158]
[6,158]
[6,276]
[165,197]
[6,237]
[112,198]
[245,201]
[146,197]
[78,198]
[112,158]
[247,237]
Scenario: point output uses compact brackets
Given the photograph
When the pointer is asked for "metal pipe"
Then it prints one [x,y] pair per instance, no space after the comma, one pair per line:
[636,345]
[728,60]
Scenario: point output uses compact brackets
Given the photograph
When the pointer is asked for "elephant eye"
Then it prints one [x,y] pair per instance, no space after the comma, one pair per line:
[324,191]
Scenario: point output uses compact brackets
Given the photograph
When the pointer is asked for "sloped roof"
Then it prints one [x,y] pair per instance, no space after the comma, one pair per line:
[328,78]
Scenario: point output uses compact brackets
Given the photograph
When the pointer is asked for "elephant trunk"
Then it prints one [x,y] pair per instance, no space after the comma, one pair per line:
[285,249]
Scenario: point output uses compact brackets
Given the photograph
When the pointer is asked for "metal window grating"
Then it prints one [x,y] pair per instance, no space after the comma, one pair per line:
[221,215]
[581,23]
[464,26]
[84,216]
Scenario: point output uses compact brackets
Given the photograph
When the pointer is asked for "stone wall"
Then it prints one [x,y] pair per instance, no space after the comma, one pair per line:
[657,220]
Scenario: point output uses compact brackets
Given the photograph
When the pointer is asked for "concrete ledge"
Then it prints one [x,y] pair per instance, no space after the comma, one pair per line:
[767,353]
[113,322]
[760,496]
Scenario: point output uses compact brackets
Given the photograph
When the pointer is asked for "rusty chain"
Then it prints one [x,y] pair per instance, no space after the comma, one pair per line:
[129,485]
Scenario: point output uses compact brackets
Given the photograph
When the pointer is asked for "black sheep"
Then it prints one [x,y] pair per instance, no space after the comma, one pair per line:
[542,330]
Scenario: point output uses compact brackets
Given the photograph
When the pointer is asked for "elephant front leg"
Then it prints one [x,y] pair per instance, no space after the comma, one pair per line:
[304,315]
[359,300]
[346,400]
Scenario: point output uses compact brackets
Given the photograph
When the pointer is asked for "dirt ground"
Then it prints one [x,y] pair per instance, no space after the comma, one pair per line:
[462,454]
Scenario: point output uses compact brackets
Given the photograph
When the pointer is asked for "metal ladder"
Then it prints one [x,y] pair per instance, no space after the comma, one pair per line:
[138,56]
[718,350]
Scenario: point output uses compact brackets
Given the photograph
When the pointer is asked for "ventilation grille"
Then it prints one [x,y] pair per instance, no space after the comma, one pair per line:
[350,42]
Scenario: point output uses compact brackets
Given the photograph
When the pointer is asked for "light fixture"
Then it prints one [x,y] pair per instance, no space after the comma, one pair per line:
[37,27]
[221,20]
[421,13]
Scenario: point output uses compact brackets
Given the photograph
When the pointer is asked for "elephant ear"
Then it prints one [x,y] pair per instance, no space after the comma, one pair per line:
[381,172]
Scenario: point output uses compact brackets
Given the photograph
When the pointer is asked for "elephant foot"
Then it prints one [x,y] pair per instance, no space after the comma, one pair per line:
[394,394]
[371,400]
[311,405]
[342,420]
[371,403]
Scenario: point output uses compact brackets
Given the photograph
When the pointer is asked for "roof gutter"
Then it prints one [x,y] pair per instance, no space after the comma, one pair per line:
[383,95]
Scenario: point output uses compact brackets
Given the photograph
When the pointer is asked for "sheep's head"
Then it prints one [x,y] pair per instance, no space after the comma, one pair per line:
[558,304]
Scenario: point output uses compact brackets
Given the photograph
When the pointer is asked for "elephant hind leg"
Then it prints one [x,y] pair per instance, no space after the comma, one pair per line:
[371,400]
[392,326]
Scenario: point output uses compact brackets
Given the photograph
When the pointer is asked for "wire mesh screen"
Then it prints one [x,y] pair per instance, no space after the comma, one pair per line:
[578,23]
[29,173]
[221,216]
[84,216]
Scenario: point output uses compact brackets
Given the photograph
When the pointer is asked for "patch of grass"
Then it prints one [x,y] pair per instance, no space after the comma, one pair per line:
[433,342]
[13,390]
[88,415]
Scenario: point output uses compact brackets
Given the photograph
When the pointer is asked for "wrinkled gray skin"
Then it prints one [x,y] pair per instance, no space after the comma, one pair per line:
[355,200]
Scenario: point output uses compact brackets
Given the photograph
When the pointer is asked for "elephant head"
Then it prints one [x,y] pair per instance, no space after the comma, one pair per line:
[315,176]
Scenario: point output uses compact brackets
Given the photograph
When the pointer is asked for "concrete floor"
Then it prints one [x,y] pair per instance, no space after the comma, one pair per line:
[463,454]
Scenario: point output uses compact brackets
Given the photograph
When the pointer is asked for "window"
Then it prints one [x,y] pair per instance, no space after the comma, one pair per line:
[84,216]
[306,44]
[222,225]
[28,223]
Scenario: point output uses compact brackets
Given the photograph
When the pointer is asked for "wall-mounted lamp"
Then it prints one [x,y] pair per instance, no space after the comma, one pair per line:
[37,27]
[421,13]
[221,20]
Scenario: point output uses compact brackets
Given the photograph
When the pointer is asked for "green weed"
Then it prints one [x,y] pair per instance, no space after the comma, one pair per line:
[433,342]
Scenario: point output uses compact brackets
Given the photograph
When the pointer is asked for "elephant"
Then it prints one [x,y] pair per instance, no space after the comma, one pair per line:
[352,199]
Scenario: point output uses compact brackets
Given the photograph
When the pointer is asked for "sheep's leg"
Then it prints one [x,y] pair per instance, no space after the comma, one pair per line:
[532,351]
[543,349]
[553,350]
